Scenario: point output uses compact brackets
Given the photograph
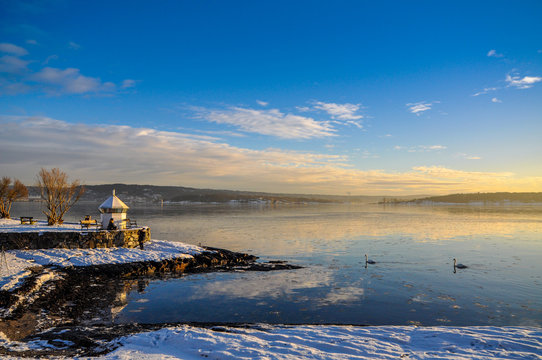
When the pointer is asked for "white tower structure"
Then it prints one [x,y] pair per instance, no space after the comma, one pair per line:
[113,208]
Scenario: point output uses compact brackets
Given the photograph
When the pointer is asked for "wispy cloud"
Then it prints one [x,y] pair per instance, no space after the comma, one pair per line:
[74,45]
[13,65]
[271,122]
[12,49]
[49,80]
[262,103]
[339,111]
[106,153]
[495,100]
[494,53]
[468,157]
[217,133]
[485,91]
[31,42]
[420,107]
[420,148]
[128,83]
[522,83]
[69,81]
[50,58]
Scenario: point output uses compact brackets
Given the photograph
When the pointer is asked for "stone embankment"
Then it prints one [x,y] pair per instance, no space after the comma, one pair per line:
[84,239]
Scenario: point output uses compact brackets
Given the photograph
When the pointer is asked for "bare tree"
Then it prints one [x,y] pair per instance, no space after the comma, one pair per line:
[10,194]
[58,194]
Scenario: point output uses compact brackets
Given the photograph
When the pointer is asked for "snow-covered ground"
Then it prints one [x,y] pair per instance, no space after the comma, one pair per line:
[322,342]
[333,342]
[14,264]
[10,225]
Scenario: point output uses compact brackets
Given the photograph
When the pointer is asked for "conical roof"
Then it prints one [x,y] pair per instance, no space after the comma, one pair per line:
[113,202]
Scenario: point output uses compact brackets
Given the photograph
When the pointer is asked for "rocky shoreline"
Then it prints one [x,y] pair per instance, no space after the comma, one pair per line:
[80,297]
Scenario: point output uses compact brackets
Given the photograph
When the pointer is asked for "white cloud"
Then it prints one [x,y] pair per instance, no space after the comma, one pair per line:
[493,53]
[69,81]
[12,64]
[485,91]
[128,83]
[74,45]
[522,83]
[421,148]
[339,111]
[468,157]
[433,147]
[49,58]
[50,80]
[366,154]
[12,49]
[420,107]
[269,122]
[262,103]
[495,100]
[106,153]
[31,42]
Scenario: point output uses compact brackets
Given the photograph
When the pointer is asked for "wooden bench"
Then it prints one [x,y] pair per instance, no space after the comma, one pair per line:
[87,222]
[130,223]
[28,220]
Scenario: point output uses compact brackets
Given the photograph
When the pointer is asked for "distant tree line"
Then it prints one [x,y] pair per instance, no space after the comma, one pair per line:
[523,197]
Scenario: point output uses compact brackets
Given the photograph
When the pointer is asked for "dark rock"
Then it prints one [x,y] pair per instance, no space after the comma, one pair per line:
[79,295]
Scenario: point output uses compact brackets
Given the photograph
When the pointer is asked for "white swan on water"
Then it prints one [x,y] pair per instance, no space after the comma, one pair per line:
[367,261]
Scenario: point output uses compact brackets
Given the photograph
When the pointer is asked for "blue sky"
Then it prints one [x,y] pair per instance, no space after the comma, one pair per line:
[383,97]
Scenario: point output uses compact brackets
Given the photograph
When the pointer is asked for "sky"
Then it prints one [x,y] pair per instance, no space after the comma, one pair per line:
[322,97]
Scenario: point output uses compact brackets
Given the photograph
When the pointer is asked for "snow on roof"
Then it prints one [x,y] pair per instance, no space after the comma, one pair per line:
[113,202]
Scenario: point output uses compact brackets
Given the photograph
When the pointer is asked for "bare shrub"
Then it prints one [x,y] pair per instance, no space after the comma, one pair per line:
[58,194]
[9,194]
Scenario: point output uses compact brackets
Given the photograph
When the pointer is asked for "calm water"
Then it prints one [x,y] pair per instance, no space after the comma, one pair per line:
[412,282]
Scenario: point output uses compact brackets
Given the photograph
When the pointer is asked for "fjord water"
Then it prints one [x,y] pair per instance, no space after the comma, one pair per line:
[412,282]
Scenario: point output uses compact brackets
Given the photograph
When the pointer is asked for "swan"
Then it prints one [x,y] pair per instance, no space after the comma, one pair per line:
[459,266]
[367,261]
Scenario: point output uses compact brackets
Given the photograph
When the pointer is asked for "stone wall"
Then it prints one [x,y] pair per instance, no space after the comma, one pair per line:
[128,238]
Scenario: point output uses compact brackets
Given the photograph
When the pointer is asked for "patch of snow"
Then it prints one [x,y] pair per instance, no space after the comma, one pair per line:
[332,342]
[12,270]
[14,225]
[31,345]
[41,279]
[15,263]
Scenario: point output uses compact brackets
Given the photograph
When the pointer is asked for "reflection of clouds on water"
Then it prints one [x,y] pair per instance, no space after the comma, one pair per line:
[343,295]
[284,284]
[270,285]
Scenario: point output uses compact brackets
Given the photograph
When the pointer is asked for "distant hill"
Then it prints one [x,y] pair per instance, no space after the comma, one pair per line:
[498,197]
[131,193]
